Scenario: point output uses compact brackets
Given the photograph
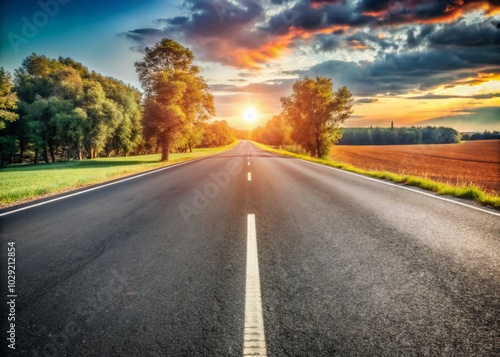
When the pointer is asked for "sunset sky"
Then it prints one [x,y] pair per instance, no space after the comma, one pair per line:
[414,62]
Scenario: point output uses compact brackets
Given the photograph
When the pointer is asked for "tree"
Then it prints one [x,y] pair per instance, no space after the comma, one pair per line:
[8,106]
[176,96]
[8,99]
[315,113]
[276,132]
[216,134]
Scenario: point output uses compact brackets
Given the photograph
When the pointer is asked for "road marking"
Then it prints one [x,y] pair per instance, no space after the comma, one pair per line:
[249,176]
[249,163]
[405,188]
[254,343]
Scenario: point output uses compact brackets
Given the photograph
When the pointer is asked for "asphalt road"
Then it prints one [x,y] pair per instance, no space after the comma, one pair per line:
[157,266]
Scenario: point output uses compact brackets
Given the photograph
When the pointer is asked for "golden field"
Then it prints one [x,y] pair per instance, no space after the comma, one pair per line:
[468,163]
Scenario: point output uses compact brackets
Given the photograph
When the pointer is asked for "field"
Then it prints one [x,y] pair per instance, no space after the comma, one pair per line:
[474,163]
[26,182]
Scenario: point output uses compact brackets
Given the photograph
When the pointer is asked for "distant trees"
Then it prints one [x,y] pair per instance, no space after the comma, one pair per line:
[218,133]
[486,135]
[399,136]
[276,131]
[176,96]
[315,113]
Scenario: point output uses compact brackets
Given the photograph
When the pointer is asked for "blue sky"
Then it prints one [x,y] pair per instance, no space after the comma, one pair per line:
[413,62]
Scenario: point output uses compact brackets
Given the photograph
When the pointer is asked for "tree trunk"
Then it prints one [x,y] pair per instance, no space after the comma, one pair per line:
[36,160]
[51,150]
[45,154]
[21,151]
[165,146]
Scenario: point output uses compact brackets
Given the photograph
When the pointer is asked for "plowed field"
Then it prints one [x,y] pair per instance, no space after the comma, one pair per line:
[470,162]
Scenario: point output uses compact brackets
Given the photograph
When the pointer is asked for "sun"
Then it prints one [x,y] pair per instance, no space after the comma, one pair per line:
[250,115]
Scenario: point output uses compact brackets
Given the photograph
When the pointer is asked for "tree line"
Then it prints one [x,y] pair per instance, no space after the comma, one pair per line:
[56,109]
[399,136]
[486,135]
[278,132]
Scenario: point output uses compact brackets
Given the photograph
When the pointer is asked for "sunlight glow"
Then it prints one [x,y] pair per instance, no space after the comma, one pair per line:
[250,115]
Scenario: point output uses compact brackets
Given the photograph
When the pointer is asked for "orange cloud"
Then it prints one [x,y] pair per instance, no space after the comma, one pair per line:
[480,79]
[454,12]
[357,45]
[255,58]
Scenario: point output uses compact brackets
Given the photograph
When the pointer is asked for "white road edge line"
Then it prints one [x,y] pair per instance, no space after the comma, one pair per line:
[249,176]
[404,188]
[254,343]
[99,187]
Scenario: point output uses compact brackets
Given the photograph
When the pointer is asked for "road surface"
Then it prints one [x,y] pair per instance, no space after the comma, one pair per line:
[247,252]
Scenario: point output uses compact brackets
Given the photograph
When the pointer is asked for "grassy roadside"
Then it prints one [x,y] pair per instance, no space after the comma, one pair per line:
[466,192]
[24,183]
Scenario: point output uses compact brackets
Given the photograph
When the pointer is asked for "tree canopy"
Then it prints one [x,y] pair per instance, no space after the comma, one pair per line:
[67,111]
[315,112]
[176,96]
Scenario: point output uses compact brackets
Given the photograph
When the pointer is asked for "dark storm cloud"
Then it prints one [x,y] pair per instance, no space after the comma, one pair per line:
[245,35]
[212,28]
[421,11]
[402,73]
[417,35]
[466,35]
[358,40]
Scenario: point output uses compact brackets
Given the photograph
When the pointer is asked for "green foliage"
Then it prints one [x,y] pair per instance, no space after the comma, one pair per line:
[486,135]
[399,136]
[315,113]
[176,95]
[66,112]
[8,99]
[217,134]
[277,131]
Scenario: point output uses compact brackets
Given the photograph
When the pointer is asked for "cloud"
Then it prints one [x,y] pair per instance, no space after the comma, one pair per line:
[422,11]
[251,33]
[466,35]
[469,119]
[219,31]
[437,96]
[279,86]
[402,73]
[366,100]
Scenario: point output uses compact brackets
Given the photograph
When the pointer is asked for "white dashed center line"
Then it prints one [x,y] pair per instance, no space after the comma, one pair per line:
[254,338]
[249,176]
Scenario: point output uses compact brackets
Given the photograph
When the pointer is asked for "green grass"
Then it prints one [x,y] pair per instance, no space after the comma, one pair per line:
[20,183]
[466,192]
